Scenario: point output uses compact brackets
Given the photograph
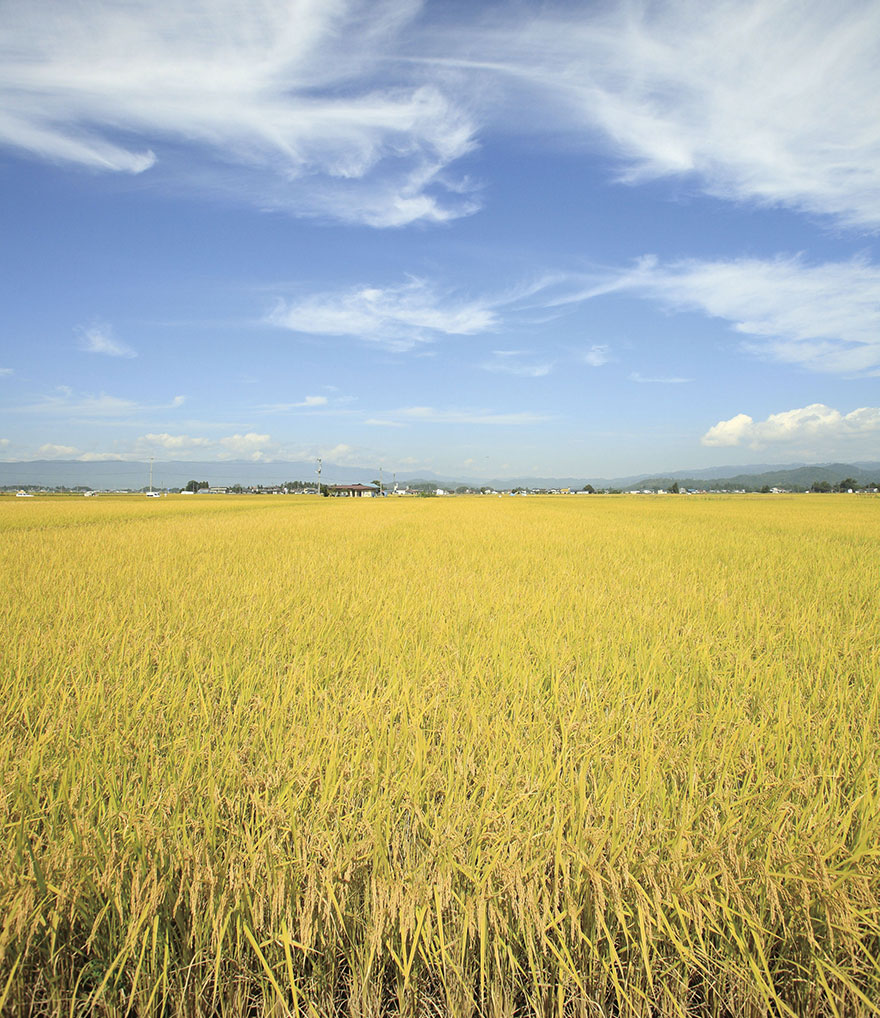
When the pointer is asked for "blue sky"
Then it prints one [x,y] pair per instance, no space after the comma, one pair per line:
[480,239]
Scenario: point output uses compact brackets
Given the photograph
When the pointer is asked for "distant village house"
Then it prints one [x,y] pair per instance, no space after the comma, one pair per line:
[352,490]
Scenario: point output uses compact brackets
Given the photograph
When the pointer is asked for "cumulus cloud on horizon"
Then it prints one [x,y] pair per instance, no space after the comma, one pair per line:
[52,451]
[817,424]
[249,445]
[175,442]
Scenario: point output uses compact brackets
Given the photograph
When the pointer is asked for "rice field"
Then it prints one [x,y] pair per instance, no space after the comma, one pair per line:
[586,756]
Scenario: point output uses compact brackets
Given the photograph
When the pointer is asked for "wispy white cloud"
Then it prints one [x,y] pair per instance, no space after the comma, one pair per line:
[816,426]
[822,317]
[99,338]
[398,318]
[356,110]
[279,101]
[636,376]
[772,101]
[433,415]
[597,355]
[308,403]
[66,403]
[515,362]
[5,372]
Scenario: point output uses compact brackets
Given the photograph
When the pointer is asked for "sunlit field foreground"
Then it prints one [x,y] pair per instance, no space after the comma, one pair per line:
[476,756]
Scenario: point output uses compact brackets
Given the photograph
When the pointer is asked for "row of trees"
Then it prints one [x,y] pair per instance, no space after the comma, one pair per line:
[590,490]
[823,487]
[237,489]
[847,484]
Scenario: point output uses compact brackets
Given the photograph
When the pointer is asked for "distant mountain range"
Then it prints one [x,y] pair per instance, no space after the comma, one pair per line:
[773,477]
[120,474]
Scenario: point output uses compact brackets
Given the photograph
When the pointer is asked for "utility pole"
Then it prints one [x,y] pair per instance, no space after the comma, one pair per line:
[318,465]
[380,480]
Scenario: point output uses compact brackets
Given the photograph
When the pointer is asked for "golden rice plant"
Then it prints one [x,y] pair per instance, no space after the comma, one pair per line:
[561,756]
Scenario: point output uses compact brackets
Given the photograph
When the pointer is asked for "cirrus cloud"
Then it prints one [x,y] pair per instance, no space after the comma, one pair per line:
[636,376]
[767,101]
[517,362]
[66,403]
[434,415]
[355,111]
[396,317]
[99,338]
[278,102]
[823,317]
[598,355]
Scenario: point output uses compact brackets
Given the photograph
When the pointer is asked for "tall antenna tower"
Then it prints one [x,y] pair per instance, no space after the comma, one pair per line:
[318,464]
[150,492]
